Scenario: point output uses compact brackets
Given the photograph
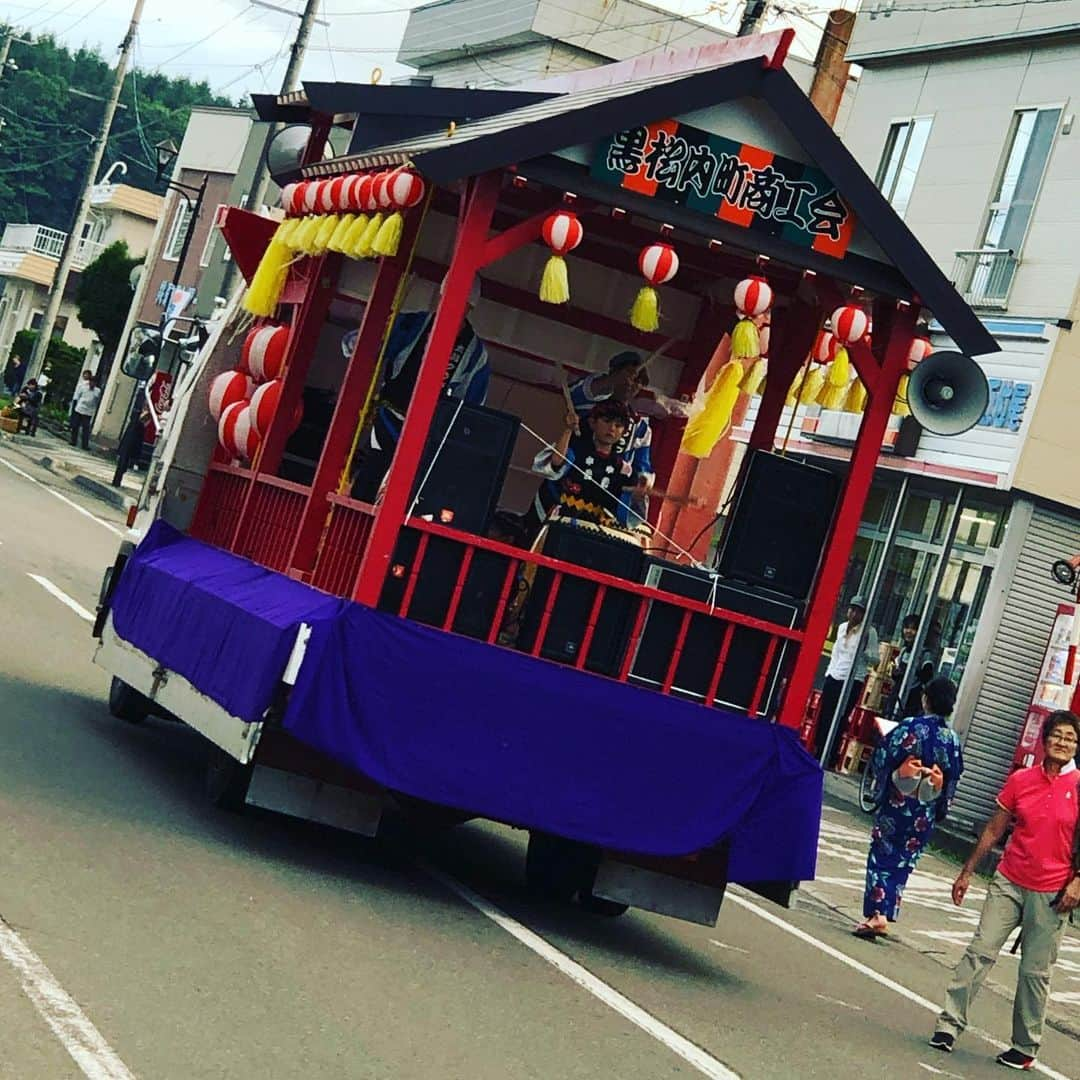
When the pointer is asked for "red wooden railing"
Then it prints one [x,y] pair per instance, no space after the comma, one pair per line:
[343,545]
[271,520]
[220,504]
[772,637]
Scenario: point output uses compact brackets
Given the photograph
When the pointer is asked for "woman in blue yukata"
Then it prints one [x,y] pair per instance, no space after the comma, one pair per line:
[919,765]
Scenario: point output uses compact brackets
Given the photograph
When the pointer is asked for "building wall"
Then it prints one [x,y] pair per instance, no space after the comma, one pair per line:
[972,98]
[512,64]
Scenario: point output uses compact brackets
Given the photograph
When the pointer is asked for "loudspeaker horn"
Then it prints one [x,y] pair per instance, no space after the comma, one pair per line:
[286,151]
[948,393]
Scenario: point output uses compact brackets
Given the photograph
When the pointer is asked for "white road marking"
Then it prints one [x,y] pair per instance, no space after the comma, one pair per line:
[837,1001]
[731,948]
[691,1053]
[62,596]
[939,1072]
[63,498]
[58,1009]
[870,973]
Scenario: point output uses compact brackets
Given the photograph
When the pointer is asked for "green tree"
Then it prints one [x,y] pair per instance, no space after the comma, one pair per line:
[65,364]
[104,297]
[45,140]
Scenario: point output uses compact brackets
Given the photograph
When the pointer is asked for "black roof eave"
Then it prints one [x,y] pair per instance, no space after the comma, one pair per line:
[872,210]
[450,103]
[268,108]
[469,157]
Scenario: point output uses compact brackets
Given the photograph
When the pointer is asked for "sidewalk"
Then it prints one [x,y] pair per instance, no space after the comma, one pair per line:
[929,922]
[91,469]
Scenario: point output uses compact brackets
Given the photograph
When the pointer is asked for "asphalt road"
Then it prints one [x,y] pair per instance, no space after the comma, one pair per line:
[199,944]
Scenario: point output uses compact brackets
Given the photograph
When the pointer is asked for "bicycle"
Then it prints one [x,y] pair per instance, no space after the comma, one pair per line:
[870,786]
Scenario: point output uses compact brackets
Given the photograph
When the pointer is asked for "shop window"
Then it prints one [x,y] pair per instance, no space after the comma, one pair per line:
[211,235]
[904,147]
[1031,137]
[175,243]
[923,516]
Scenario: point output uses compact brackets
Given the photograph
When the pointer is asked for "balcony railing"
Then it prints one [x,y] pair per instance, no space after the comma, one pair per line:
[41,240]
[984,277]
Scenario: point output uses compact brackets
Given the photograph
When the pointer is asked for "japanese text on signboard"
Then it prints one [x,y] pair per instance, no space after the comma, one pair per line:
[1007,404]
[735,182]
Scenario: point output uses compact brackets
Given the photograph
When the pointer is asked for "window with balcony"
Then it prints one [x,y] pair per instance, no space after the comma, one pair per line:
[211,236]
[175,242]
[901,158]
[985,274]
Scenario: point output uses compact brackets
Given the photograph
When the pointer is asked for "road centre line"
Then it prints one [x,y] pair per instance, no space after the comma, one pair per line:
[83,1041]
[870,973]
[62,596]
[690,1052]
[63,498]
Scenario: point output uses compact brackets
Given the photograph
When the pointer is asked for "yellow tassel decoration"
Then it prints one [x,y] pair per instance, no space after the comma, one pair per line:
[900,404]
[855,401]
[832,397]
[388,238]
[327,226]
[286,229]
[269,279]
[645,314]
[362,248]
[337,241]
[555,284]
[753,381]
[704,430]
[745,341]
[352,237]
[792,395]
[840,368]
[304,238]
[812,387]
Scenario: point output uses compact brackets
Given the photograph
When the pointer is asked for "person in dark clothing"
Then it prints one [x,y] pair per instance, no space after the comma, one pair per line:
[14,374]
[911,705]
[28,402]
[127,453]
[586,476]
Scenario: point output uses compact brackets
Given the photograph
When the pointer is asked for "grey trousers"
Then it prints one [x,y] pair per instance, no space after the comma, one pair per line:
[1008,906]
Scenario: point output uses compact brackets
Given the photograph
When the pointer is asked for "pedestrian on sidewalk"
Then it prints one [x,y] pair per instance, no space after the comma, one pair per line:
[28,404]
[919,765]
[127,453]
[84,404]
[1036,887]
[846,654]
[14,374]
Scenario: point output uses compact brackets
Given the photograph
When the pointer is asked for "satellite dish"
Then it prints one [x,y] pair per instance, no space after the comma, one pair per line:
[286,150]
[948,393]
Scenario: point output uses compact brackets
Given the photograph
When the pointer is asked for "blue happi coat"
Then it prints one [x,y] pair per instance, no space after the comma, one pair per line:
[903,824]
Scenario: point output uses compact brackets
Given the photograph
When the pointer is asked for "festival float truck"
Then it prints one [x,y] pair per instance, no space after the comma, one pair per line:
[632,704]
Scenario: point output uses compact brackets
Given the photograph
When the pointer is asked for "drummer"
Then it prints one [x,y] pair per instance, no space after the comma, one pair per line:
[624,380]
[586,477]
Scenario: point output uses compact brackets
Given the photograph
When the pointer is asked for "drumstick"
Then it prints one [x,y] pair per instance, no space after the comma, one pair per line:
[565,384]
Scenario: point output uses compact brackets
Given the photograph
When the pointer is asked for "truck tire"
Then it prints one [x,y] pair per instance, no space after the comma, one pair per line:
[126,703]
[226,780]
[599,905]
[554,868]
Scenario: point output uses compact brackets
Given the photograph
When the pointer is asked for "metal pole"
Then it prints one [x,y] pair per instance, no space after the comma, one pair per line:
[5,48]
[261,178]
[71,246]
[751,17]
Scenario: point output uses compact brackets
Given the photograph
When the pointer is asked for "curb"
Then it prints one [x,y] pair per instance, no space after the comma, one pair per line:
[99,490]
[104,492]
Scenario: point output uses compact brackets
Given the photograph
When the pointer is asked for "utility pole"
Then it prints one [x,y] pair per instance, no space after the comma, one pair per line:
[289,83]
[751,16]
[71,245]
[5,48]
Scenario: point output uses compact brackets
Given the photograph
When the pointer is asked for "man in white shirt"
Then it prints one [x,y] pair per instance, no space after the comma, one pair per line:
[848,653]
[84,403]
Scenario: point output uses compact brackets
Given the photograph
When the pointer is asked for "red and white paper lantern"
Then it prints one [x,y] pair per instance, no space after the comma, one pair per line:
[227,389]
[263,354]
[264,403]
[658,263]
[405,189]
[380,189]
[235,433]
[824,347]
[562,232]
[850,324]
[753,296]
[919,351]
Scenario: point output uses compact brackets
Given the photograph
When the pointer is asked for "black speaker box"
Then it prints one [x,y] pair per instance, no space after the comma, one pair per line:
[462,471]
[705,635]
[435,584]
[779,525]
[570,613]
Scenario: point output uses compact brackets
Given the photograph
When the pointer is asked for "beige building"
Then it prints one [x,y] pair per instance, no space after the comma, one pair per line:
[30,254]
[966,118]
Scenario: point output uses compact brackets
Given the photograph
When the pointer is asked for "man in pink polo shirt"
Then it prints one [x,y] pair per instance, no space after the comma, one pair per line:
[1036,887]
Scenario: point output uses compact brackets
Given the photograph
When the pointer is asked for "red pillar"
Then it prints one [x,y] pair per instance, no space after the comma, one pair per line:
[468,256]
[859,478]
[351,397]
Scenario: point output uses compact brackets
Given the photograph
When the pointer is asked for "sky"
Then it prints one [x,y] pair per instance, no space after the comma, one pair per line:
[240,48]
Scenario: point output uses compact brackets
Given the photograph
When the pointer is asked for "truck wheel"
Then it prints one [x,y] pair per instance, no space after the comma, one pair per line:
[599,905]
[126,703]
[556,868]
[226,780]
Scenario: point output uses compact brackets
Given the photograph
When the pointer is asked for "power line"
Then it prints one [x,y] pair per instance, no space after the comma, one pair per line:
[83,18]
